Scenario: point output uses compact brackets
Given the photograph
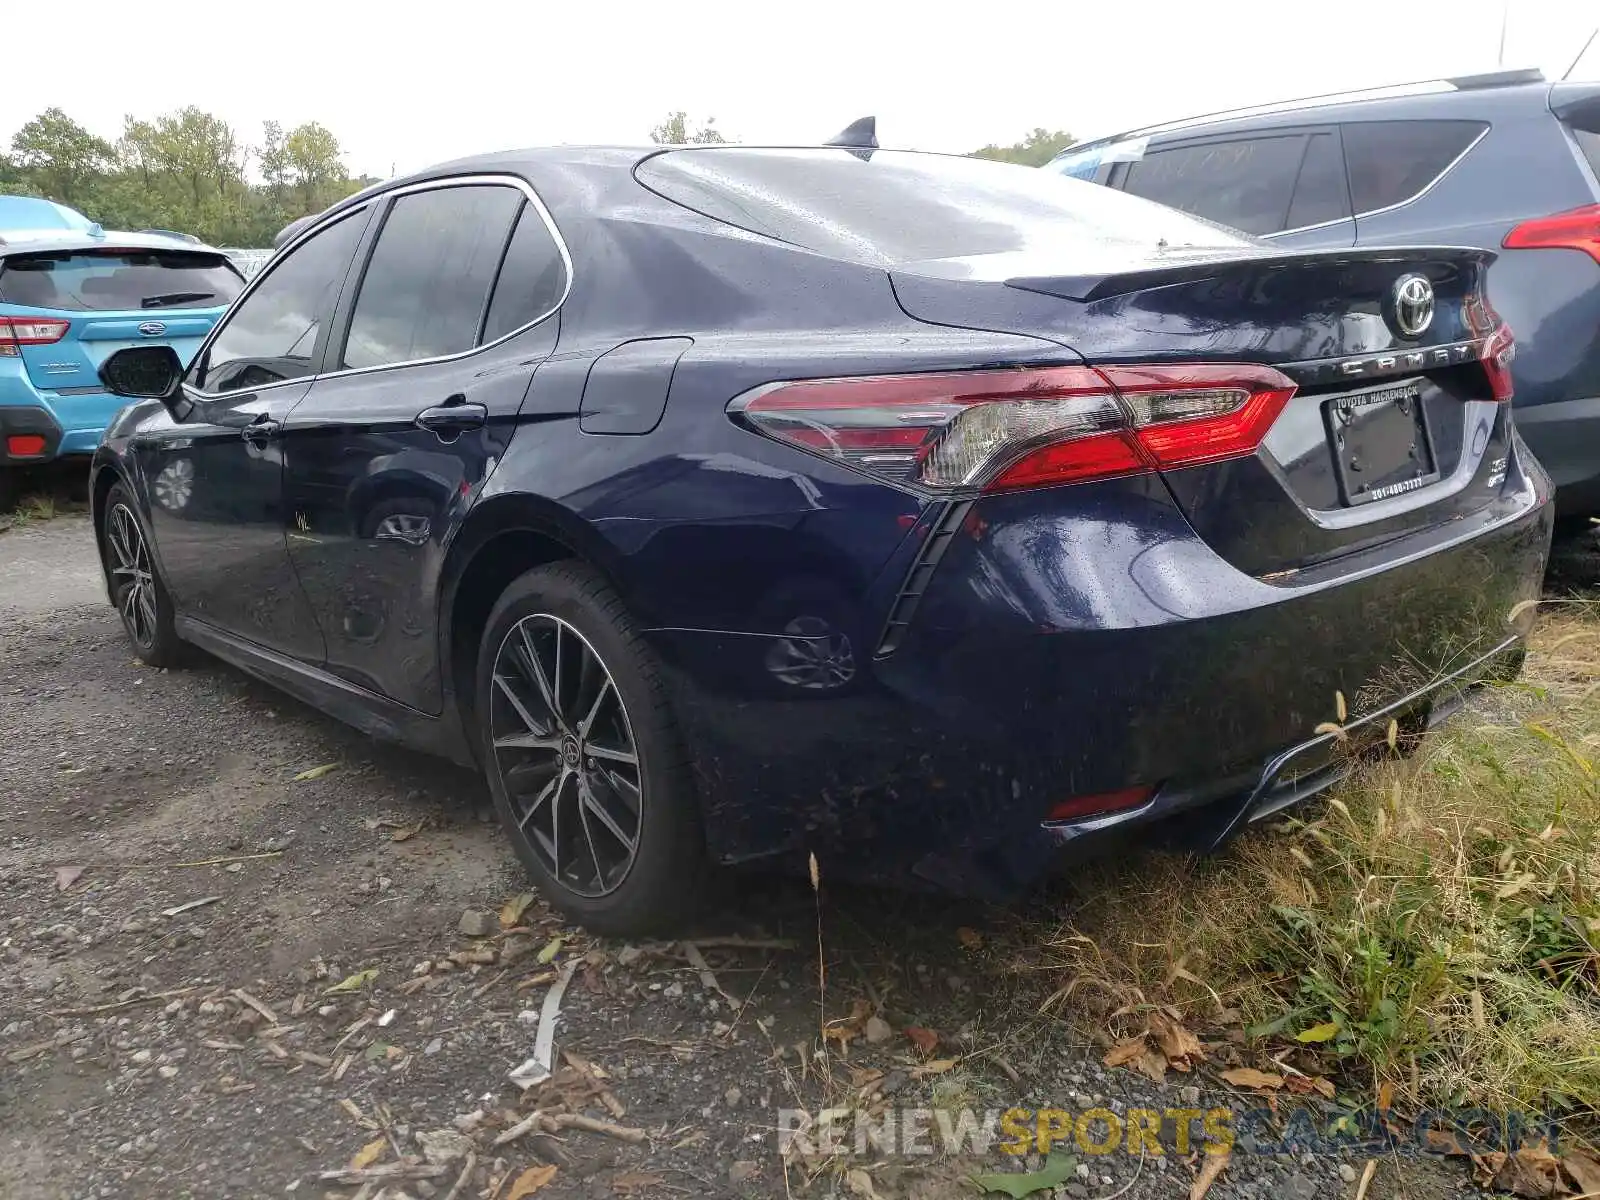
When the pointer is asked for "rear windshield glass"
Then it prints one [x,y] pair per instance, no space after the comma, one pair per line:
[886,207]
[107,280]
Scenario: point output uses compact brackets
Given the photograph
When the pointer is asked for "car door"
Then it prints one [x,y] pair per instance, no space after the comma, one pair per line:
[429,361]
[215,478]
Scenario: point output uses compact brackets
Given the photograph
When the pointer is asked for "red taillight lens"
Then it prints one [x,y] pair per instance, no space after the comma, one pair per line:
[24,445]
[1499,348]
[29,331]
[1026,427]
[1578,229]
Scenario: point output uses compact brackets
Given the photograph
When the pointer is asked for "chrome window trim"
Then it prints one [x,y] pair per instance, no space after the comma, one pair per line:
[429,185]
[1399,204]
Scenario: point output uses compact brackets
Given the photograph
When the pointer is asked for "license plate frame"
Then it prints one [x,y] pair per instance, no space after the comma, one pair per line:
[1380,409]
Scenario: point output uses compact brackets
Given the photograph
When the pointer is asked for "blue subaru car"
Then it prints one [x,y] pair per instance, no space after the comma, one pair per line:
[71,295]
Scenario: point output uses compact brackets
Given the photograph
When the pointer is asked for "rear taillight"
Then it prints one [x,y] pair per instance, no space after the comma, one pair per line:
[1499,348]
[1024,427]
[16,332]
[1577,229]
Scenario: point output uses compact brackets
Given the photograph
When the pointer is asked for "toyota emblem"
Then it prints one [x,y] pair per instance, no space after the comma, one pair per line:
[1413,305]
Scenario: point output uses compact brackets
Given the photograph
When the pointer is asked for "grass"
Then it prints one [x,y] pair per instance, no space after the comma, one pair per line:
[1441,912]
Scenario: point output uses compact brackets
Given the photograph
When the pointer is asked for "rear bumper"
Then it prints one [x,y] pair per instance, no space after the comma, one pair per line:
[1058,655]
[73,424]
[28,420]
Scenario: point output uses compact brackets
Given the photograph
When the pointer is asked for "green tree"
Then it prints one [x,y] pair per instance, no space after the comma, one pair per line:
[57,156]
[1038,148]
[675,131]
[315,168]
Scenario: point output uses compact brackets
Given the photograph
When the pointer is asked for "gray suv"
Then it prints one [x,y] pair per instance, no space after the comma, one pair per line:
[1507,161]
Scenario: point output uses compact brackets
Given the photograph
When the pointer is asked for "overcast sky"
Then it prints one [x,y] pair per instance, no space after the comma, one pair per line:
[406,85]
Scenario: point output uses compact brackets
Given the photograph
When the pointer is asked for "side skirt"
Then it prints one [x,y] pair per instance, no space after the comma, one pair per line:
[374,715]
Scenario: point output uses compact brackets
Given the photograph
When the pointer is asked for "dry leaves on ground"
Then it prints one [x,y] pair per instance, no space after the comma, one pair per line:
[530,1181]
[1210,1171]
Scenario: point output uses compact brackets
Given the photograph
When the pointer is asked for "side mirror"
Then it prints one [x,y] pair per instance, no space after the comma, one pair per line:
[144,373]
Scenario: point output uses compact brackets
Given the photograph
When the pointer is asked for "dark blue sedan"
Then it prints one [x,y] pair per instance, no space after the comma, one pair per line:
[931,515]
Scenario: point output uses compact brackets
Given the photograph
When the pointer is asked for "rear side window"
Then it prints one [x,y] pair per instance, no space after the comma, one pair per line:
[1320,194]
[887,207]
[1244,182]
[532,278]
[110,280]
[1390,162]
[1589,143]
[427,284]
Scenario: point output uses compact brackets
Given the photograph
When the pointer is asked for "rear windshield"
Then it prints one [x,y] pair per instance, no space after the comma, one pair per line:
[107,280]
[886,207]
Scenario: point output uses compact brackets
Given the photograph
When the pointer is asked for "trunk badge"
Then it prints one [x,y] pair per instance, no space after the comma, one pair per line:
[153,328]
[1411,308]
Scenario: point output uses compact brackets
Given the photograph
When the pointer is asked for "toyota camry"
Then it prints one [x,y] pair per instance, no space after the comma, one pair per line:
[934,516]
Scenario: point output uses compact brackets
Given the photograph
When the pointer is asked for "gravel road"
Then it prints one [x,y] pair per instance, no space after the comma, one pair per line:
[171,1025]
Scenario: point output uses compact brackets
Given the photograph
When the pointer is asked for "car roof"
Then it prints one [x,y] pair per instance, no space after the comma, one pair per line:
[35,212]
[1463,97]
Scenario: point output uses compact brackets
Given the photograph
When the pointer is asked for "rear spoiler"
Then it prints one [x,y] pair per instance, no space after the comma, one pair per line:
[1577,102]
[1208,264]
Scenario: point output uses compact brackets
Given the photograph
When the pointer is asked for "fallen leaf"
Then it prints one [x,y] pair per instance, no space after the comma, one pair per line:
[530,1181]
[1385,1096]
[353,983]
[1583,1169]
[1249,1077]
[1531,1172]
[406,832]
[970,938]
[1303,1085]
[1058,1168]
[925,1040]
[1325,1032]
[1215,1165]
[860,1184]
[632,1181]
[511,911]
[845,1029]
[1125,1051]
[1180,1045]
[311,773]
[66,877]
[551,949]
[369,1154]
[937,1067]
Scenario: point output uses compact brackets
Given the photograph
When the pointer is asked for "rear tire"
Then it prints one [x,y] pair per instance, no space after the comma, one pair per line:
[583,757]
[137,592]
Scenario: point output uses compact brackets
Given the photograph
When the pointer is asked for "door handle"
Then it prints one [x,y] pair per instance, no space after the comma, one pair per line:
[455,416]
[262,429]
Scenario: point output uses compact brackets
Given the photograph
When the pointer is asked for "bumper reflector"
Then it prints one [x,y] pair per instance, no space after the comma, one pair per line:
[1077,808]
[24,445]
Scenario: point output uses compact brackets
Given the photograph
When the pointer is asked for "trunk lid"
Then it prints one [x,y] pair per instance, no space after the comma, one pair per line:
[1393,428]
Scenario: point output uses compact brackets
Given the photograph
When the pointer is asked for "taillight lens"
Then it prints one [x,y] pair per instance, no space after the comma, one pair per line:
[16,332]
[1577,229]
[1024,427]
[1499,348]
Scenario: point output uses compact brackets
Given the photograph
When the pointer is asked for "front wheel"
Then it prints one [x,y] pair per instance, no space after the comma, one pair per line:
[136,588]
[583,757]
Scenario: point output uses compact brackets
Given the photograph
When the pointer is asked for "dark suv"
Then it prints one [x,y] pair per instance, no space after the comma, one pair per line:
[1507,162]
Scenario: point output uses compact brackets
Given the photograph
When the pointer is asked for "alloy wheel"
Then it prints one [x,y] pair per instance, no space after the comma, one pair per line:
[133,582]
[565,754]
